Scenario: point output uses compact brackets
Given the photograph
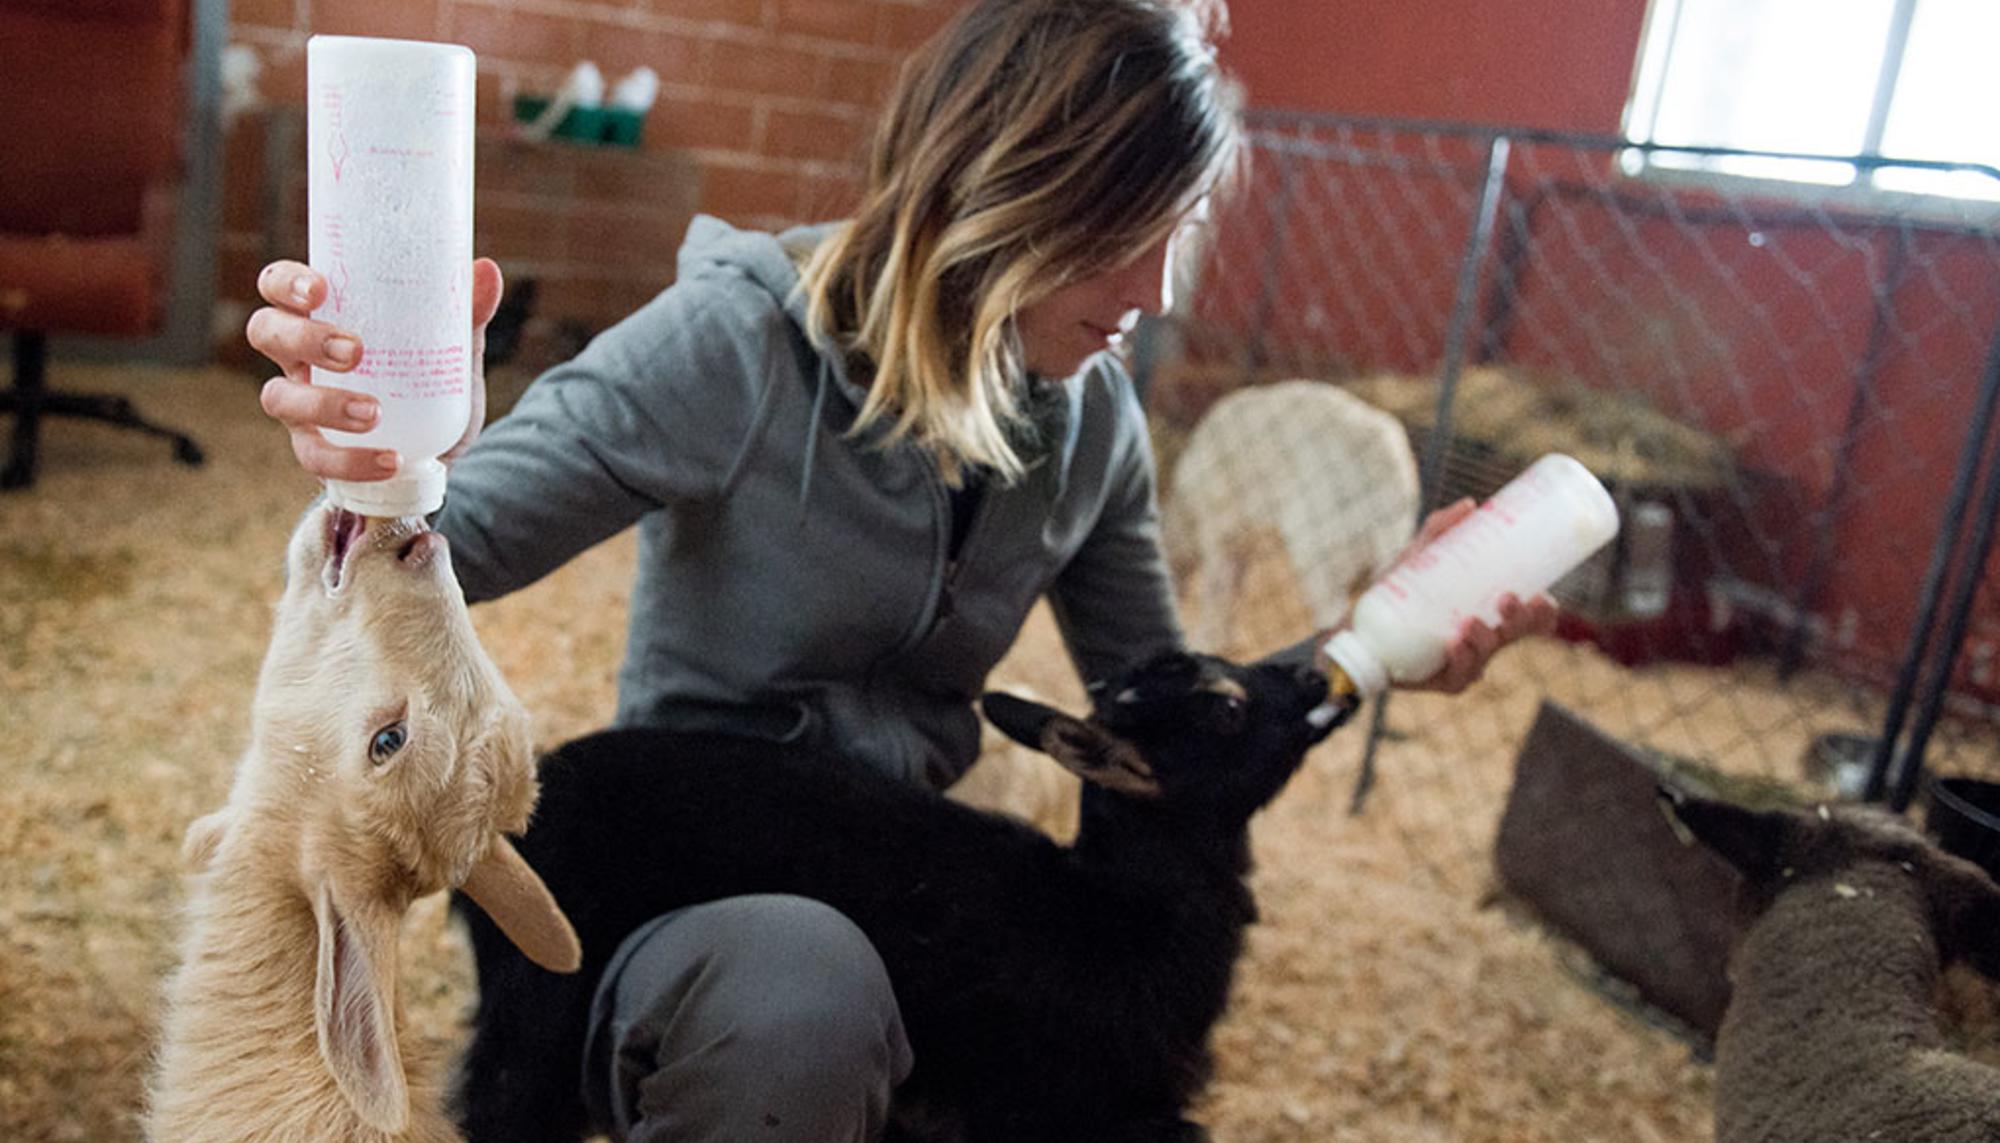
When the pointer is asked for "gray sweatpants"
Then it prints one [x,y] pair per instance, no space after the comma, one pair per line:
[766,1018]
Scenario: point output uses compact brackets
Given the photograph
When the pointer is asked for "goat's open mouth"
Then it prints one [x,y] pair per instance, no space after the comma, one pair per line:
[1327,716]
[344,530]
[1335,707]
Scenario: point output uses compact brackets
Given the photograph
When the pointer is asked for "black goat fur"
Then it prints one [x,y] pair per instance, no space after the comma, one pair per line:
[1049,992]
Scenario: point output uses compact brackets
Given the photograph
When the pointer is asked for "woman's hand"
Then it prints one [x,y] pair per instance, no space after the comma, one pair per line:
[1477,641]
[285,332]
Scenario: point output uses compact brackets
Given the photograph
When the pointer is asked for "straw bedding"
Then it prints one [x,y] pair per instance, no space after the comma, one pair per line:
[1379,1000]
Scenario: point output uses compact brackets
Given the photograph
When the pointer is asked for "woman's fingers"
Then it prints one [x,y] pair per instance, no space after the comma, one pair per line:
[305,409]
[284,332]
[487,286]
[1435,525]
[1439,522]
[294,341]
[329,461]
[302,405]
[1467,657]
[486,289]
[292,285]
[1523,617]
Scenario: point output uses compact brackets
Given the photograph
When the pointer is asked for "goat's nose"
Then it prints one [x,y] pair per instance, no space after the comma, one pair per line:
[420,549]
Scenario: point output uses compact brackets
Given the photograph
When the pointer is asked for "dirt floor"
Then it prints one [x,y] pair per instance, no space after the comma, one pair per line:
[1379,1001]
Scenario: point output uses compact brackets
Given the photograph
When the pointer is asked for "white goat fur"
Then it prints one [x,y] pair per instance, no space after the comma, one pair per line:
[1330,474]
[283,1022]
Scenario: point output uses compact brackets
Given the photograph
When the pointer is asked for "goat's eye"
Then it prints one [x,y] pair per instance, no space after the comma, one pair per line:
[387,741]
[1229,714]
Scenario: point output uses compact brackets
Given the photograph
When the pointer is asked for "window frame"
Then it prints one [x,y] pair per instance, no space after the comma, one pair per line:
[1863,192]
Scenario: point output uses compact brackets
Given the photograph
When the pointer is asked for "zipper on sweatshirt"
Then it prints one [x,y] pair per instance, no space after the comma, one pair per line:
[947,604]
[944,567]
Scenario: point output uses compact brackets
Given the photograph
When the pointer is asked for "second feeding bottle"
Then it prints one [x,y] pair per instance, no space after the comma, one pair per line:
[1542,524]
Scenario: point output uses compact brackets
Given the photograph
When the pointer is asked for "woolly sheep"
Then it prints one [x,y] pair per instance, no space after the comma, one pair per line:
[386,759]
[1831,1031]
[1049,992]
[1329,475]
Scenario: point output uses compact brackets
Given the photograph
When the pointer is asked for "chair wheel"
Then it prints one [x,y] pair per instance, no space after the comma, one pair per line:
[187,452]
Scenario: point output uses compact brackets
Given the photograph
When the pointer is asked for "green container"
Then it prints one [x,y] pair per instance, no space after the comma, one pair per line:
[578,124]
[582,125]
[622,127]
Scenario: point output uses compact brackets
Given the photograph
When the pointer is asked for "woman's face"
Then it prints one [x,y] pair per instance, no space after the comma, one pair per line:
[1059,332]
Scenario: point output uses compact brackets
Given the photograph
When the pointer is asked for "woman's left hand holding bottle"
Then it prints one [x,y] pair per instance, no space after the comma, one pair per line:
[1475,642]
[285,331]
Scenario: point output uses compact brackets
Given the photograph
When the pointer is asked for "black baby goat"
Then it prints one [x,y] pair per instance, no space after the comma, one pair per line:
[1112,958]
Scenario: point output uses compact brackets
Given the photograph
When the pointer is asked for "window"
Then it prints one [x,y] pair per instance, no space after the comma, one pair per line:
[1906,79]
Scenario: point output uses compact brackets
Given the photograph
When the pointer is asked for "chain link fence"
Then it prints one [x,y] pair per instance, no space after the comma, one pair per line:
[1789,396]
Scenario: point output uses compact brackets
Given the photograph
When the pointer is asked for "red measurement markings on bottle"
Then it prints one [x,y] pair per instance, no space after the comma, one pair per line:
[429,371]
[333,255]
[331,101]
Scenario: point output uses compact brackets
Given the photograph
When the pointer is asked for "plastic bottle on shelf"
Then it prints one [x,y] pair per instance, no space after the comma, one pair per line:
[1542,524]
[389,126]
[1647,586]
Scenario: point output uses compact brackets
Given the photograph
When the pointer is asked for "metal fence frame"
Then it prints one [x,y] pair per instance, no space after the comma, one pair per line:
[1965,538]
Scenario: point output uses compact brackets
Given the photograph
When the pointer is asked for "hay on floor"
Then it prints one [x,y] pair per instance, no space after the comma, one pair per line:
[1378,1001]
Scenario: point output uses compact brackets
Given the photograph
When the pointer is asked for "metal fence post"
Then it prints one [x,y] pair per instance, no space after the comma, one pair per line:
[1911,760]
[1942,553]
[1478,244]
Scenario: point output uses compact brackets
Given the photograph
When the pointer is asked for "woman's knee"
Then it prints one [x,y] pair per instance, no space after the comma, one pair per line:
[773,1002]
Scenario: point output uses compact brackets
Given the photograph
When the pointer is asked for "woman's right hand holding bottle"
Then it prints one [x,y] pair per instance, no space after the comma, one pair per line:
[285,331]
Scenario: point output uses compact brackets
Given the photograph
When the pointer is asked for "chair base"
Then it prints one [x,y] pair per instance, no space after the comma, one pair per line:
[29,401]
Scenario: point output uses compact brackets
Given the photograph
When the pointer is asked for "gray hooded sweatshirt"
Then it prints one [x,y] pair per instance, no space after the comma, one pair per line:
[794,582]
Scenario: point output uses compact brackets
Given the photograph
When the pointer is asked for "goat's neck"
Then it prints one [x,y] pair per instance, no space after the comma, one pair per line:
[1844,959]
[1154,840]
[240,1057]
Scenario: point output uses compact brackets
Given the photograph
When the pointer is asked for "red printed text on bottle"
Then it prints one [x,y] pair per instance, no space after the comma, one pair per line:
[418,372]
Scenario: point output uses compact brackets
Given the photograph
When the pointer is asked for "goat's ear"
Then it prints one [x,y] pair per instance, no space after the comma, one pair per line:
[1083,748]
[354,1006]
[204,836]
[1753,841]
[510,892]
[1096,755]
[1018,718]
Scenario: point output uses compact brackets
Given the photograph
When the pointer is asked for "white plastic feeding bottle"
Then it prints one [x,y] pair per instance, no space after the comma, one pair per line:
[389,190]
[1543,523]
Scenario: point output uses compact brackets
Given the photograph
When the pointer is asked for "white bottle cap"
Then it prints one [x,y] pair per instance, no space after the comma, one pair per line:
[1363,669]
[418,490]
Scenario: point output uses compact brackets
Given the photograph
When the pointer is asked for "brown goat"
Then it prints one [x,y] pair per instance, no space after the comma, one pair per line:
[1832,1031]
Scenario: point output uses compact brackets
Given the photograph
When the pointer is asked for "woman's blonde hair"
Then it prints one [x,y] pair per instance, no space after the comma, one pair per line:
[1030,144]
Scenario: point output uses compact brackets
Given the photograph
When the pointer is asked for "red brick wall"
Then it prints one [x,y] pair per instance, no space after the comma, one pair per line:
[764,111]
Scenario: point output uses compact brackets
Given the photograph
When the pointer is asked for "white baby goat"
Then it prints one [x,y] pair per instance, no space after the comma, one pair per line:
[387,758]
[1327,474]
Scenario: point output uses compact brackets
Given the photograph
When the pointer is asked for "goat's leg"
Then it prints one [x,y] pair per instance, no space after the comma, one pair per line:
[520,1078]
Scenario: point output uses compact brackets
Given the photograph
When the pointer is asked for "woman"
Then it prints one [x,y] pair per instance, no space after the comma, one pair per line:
[857,455]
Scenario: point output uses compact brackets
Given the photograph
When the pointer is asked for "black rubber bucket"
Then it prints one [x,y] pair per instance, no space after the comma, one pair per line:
[1964,815]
